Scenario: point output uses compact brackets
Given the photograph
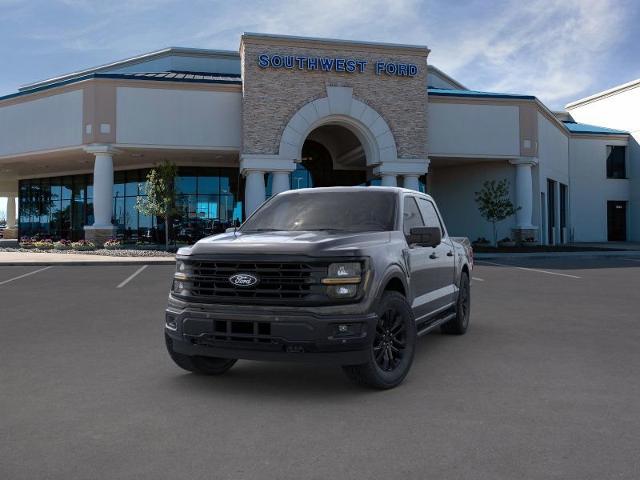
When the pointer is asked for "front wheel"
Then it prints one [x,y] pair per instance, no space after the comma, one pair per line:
[392,348]
[458,325]
[199,365]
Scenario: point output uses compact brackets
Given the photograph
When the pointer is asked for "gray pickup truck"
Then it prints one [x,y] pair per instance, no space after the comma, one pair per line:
[349,276]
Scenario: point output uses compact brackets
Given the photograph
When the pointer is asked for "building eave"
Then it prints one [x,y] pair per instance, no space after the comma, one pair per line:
[603,94]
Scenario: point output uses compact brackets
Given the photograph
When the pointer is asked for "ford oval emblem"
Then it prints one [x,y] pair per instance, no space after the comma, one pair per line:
[243,280]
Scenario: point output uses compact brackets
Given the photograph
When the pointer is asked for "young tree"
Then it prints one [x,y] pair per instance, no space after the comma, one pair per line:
[494,203]
[160,193]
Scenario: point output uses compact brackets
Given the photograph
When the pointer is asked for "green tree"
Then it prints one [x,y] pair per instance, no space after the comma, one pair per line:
[494,203]
[160,199]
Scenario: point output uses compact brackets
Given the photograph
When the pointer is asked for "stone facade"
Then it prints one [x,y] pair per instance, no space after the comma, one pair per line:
[272,96]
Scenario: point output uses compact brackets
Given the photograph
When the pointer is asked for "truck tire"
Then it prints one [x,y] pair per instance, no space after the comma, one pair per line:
[392,346]
[459,324]
[199,365]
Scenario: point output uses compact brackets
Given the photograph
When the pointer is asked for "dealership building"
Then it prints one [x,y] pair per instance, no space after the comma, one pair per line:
[289,112]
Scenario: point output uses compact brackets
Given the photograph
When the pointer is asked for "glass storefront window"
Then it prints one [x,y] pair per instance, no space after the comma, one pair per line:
[59,207]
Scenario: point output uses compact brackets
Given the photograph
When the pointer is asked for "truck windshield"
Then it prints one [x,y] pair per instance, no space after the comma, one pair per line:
[357,211]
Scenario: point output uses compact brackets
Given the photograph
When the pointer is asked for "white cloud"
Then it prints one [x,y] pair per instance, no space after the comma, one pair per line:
[554,49]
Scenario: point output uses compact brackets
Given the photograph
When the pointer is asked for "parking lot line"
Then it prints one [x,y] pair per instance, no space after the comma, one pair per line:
[529,269]
[132,276]
[477,279]
[24,275]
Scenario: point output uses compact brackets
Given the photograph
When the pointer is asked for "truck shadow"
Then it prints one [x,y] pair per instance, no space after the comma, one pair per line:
[303,381]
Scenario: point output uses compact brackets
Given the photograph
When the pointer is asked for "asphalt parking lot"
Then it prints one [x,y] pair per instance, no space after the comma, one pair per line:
[544,385]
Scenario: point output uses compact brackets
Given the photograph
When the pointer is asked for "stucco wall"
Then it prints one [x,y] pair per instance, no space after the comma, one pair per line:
[454,189]
[464,129]
[45,123]
[165,117]
[271,96]
[590,189]
[621,111]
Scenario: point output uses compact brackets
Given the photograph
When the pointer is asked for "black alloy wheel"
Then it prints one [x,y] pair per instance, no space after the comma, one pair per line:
[390,342]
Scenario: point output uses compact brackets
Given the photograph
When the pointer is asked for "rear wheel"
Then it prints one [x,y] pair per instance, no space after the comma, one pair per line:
[199,365]
[392,348]
[459,324]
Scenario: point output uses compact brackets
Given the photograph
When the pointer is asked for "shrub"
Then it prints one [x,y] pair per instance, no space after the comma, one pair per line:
[43,244]
[62,245]
[83,245]
[112,244]
[26,242]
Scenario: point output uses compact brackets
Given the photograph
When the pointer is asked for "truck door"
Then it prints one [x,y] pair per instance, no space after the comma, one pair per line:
[422,271]
[441,258]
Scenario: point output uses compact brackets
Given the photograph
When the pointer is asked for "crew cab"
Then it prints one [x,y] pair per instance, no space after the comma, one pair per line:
[349,276]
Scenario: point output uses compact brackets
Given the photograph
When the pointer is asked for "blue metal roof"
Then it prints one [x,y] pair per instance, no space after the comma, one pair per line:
[575,127]
[173,76]
[444,92]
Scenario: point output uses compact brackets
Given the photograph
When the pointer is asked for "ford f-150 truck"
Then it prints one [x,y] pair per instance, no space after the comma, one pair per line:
[350,276]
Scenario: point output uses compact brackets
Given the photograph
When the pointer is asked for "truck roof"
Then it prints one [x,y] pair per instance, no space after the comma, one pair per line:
[352,189]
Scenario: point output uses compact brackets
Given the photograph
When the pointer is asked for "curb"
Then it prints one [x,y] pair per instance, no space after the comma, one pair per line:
[86,263]
[594,254]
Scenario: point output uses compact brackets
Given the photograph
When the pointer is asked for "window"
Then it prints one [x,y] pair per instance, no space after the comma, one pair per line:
[429,214]
[411,217]
[616,162]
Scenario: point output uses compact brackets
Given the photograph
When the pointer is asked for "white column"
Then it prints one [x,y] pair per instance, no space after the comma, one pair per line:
[389,180]
[280,182]
[254,193]
[103,190]
[11,211]
[524,192]
[411,182]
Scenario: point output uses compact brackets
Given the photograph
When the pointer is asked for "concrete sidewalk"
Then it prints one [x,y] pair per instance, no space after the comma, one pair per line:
[592,254]
[32,258]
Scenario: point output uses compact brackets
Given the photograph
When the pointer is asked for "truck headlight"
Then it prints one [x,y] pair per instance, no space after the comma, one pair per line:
[183,270]
[181,287]
[343,279]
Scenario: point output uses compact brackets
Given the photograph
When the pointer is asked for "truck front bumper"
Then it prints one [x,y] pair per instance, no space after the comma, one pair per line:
[260,334]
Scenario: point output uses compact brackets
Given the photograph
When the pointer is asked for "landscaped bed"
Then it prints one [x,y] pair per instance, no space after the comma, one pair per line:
[540,248]
[122,252]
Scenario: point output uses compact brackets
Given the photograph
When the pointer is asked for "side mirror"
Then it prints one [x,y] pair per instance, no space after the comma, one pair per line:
[425,236]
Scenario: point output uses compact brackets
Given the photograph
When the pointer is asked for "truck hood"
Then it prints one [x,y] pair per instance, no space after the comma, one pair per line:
[315,243]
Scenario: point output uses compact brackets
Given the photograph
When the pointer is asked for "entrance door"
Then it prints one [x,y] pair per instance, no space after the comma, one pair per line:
[617,221]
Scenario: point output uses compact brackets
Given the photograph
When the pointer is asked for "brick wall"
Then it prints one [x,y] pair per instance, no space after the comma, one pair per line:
[271,96]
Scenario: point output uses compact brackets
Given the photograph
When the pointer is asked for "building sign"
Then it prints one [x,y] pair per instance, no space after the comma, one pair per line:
[331,64]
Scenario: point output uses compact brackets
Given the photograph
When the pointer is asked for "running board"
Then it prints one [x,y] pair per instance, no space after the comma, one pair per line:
[436,323]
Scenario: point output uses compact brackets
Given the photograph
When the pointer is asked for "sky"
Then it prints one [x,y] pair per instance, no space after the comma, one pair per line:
[557,50]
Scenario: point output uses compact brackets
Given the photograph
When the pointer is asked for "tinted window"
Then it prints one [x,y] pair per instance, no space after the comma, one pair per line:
[357,211]
[616,161]
[411,216]
[429,214]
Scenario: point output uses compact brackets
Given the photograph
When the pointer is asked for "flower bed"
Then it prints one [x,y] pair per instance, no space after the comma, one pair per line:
[62,245]
[113,244]
[83,245]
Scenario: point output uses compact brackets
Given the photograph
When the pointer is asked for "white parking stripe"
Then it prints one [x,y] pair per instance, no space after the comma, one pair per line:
[24,275]
[477,279]
[132,276]
[528,269]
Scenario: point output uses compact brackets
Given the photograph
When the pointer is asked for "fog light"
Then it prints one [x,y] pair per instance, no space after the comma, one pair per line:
[180,287]
[171,323]
[342,291]
[347,330]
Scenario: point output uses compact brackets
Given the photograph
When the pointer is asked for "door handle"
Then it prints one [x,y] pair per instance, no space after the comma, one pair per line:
[433,256]
[450,253]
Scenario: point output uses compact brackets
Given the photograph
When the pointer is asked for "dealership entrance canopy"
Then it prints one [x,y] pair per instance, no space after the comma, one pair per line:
[289,112]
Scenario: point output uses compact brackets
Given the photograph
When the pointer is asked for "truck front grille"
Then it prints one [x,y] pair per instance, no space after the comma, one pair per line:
[277,281]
